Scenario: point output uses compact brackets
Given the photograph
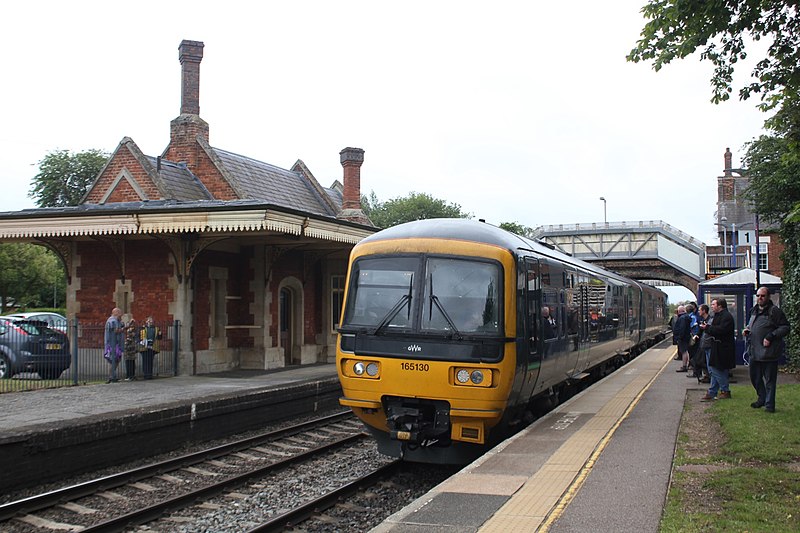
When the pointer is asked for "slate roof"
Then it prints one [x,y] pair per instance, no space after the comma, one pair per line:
[179,182]
[257,180]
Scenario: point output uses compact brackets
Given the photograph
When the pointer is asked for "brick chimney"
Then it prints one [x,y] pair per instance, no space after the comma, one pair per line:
[728,159]
[185,129]
[190,54]
[352,159]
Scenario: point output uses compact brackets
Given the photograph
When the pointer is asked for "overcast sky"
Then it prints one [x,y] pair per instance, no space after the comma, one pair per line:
[516,111]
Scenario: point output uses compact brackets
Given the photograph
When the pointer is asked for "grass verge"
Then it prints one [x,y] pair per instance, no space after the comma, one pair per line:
[737,468]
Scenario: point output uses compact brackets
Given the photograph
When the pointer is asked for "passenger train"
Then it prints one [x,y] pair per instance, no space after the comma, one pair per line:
[456,332]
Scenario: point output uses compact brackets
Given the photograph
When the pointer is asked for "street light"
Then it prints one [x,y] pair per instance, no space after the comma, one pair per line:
[724,237]
[605,218]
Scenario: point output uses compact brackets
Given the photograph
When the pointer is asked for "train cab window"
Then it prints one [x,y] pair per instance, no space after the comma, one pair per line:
[461,296]
[382,293]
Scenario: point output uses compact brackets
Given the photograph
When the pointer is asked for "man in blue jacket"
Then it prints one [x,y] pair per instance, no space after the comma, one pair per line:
[765,331]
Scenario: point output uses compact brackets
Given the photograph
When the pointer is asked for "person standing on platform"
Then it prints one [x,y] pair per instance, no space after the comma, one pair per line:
[114,342]
[682,331]
[765,331]
[131,349]
[722,354]
[694,336]
[672,320]
[149,336]
[703,344]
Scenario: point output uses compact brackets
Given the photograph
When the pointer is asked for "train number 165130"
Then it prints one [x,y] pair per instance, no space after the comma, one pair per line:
[419,367]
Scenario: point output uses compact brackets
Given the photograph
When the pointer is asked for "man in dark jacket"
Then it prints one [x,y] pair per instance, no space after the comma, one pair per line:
[683,332]
[722,354]
[765,330]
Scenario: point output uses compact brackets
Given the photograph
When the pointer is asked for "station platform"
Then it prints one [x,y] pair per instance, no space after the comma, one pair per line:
[600,461]
[49,433]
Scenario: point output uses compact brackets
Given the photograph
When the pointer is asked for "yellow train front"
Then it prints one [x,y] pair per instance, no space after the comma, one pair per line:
[445,343]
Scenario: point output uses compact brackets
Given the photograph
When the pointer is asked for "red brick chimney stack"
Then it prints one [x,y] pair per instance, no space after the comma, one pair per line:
[190,55]
[185,129]
[352,159]
[728,159]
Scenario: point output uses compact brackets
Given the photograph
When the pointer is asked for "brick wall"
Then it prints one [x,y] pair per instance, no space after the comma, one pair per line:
[774,251]
[292,264]
[147,273]
[123,192]
[237,287]
[202,167]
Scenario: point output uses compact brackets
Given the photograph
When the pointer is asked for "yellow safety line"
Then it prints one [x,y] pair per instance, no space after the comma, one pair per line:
[577,483]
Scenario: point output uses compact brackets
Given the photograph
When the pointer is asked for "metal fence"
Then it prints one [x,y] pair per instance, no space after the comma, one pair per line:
[22,368]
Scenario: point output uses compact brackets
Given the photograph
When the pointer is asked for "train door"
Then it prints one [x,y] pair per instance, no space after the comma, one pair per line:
[571,310]
[580,310]
[552,316]
[532,326]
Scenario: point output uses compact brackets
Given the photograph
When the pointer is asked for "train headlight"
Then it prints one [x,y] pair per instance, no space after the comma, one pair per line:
[473,377]
[358,368]
[372,369]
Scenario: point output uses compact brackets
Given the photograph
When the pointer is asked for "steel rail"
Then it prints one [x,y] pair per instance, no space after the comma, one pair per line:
[80,490]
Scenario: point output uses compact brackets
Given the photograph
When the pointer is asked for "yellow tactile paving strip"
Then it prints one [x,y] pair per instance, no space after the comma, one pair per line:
[542,497]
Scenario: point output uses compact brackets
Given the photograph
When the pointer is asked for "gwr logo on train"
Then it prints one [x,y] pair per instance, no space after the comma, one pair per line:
[510,326]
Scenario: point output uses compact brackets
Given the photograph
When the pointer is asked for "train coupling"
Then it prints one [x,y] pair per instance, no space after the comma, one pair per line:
[418,422]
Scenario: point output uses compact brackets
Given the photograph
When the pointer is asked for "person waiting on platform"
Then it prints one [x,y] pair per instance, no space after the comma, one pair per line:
[682,332]
[672,320]
[114,342]
[722,354]
[149,336]
[131,349]
[765,331]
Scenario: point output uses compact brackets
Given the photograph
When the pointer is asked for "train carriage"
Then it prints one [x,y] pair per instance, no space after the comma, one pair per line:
[453,332]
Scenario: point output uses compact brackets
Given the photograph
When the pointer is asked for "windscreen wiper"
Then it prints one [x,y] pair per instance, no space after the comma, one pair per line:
[435,300]
[405,299]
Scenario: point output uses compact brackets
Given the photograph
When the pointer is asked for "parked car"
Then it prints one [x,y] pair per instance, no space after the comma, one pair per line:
[54,320]
[32,346]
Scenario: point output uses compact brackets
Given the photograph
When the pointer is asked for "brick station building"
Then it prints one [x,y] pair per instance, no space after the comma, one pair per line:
[249,257]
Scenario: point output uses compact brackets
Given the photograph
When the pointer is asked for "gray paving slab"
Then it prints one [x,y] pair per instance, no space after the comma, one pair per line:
[627,487]
[21,411]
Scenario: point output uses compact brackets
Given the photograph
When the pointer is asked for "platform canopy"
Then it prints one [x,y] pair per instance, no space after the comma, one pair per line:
[743,276]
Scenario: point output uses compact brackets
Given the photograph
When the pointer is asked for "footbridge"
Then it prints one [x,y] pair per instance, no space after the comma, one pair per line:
[643,250]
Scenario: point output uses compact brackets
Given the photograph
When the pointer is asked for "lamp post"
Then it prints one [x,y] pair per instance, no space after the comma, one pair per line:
[724,237]
[605,217]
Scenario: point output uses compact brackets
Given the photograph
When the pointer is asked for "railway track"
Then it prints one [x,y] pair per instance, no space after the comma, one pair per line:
[185,488]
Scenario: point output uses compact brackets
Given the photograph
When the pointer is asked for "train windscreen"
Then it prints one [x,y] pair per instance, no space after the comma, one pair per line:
[432,295]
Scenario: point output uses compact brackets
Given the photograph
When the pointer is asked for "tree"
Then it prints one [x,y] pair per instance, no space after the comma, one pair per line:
[27,272]
[415,206]
[678,28]
[774,166]
[517,228]
[64,177]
